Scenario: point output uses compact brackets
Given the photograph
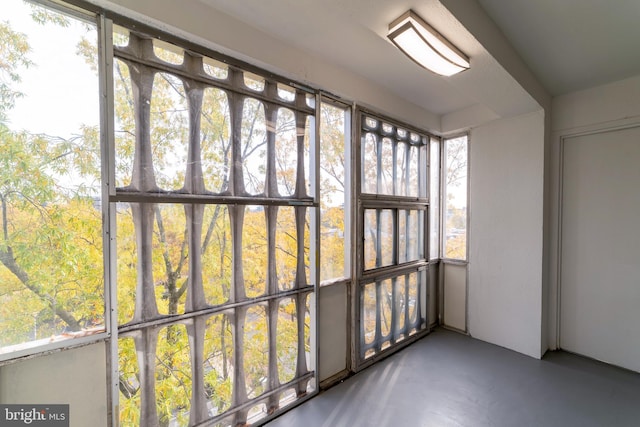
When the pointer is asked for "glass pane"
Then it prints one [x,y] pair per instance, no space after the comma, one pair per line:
[215,68]
[401,186]
[256,359]
[307,332]
[370,123]
[386,305]
[169,131]
[386,236]
[125,128]
[378,238]
[455,232]
[310,100]
[218,363]
[306,246]
[414,172]
[414,304]
[287,340]
[369,164]
[170,257]
[217,253]
[215,140]
[370,237]
[254,82]
[255,251]
[332,193]
[386,167]
[254,146]
[434,200]
[286,152]
[168,52]
[173,376]
[423,283]
[400,304]
[127,261]
[308,165]
[286,248]
[286,93]
[130,392]
[51,267]
[408,236]
[120,36]
[369,312]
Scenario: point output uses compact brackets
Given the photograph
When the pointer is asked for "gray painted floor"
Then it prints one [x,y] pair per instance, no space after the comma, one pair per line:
[448,379]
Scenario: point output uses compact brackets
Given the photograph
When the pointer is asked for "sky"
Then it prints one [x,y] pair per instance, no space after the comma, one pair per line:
[55,106]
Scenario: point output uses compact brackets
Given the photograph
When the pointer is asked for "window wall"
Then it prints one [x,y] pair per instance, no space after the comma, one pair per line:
[183,207]
[454,271]
[52,276]
[335,191]
[177,219]
[213,207]
[391,291]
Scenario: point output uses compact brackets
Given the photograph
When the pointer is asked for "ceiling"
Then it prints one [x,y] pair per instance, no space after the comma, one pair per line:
[572,44]
[568,45]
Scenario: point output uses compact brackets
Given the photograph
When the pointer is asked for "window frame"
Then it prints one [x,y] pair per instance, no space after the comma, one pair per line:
[104,21]
[301,200]
[348,214]
[364,276]
[34,350]
[443,194]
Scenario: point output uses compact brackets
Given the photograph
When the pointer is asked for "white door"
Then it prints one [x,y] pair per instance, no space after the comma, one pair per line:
[600,264]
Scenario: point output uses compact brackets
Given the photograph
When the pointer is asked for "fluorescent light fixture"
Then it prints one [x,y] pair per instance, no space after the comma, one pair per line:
[420,42]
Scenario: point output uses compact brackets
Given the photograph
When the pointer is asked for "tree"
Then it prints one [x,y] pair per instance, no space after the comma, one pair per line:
[51,277]
[45,221]
[455,185]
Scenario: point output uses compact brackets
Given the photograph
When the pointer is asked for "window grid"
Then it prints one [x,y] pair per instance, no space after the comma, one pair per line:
[394,208]
[246,309]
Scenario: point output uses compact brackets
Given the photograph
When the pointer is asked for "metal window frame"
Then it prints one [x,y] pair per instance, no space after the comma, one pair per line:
[443,261]
[436,163]
[349,236]
[366,201]
[300,200]
[443,206]
[102,88]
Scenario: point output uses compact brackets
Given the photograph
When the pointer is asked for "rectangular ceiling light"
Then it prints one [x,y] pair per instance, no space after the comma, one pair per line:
[420,42]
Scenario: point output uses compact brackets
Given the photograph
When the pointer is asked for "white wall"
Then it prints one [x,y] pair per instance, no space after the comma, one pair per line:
[76,377]
[506,233]
[599,275]
[597,109]
[332,338]
[599,106]
[454,288]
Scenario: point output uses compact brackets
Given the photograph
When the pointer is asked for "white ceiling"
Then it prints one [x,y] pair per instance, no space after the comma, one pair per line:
[568,44]
[572,44]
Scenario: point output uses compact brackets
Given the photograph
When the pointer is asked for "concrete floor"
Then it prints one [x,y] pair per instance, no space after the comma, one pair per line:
[448,379]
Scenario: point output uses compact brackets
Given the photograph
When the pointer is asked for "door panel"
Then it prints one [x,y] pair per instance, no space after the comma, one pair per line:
[600,264]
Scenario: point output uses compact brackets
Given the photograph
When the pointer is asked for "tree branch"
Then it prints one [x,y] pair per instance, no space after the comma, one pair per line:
[6,257]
